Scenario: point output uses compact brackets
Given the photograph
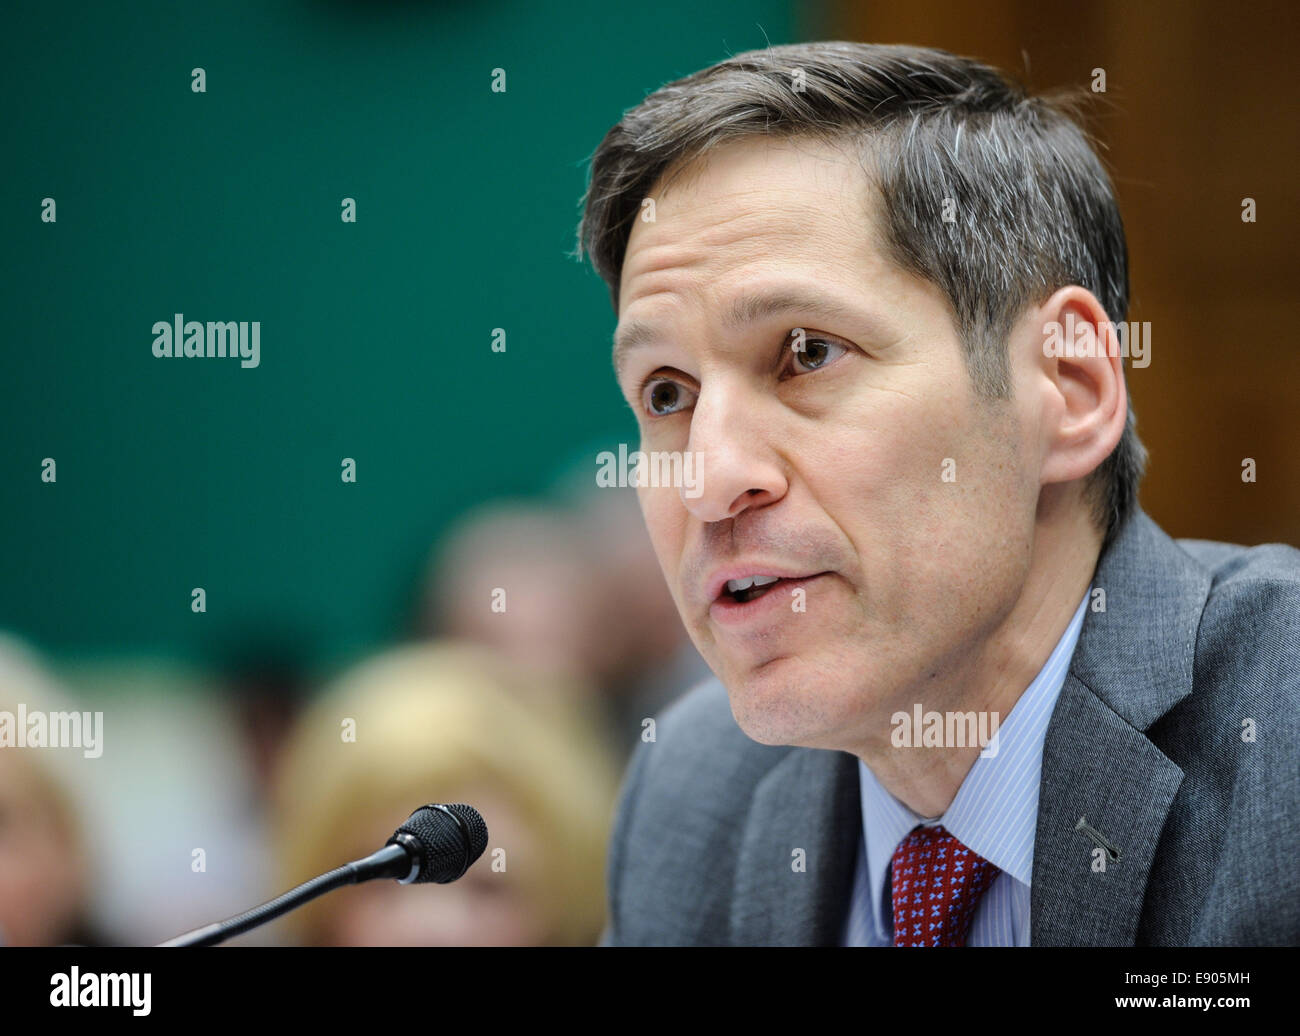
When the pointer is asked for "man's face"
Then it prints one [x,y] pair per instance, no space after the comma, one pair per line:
[857,464]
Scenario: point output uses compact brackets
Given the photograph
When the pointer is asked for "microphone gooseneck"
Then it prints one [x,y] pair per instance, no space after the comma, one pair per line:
[436,843]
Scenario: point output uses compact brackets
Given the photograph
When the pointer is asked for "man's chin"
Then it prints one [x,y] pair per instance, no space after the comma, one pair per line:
[779,703]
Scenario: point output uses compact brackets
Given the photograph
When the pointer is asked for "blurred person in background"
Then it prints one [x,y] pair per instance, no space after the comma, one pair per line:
[173,810]
[265,684]
[518,577]
[584,601]
[43,863]
[653,661]
[443,722]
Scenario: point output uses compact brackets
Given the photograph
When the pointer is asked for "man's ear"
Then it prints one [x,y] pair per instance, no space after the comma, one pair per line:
[1086,402]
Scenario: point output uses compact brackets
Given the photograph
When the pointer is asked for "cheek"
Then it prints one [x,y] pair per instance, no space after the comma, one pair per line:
[665,522]
[891,463]
[925,489]
[939,458]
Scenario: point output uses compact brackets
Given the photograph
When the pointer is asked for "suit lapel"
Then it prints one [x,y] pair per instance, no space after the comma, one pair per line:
[1132,665]
[1097,768]
[808,801]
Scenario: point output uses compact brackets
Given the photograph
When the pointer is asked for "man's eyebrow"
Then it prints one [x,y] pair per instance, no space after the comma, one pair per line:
[748,308]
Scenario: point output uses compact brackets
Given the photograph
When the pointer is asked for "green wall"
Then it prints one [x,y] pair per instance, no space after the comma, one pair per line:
[375,336]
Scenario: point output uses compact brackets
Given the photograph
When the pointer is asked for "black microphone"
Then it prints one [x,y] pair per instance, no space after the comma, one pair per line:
[436,843]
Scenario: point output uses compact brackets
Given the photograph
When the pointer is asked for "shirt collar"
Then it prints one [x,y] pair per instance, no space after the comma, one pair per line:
[995,811]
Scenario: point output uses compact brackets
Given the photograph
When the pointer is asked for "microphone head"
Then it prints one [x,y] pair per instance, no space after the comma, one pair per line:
[445,838]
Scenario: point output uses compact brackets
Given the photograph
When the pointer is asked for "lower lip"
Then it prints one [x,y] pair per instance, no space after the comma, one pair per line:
[726,612]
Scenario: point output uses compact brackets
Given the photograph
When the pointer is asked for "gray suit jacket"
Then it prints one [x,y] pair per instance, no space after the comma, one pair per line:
[1146,741]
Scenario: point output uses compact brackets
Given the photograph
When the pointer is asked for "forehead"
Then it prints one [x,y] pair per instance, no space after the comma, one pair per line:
[792,220]
[790,199]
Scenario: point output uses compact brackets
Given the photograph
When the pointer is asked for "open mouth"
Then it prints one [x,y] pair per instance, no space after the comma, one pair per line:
[742,590]
[751,588]
[740,601]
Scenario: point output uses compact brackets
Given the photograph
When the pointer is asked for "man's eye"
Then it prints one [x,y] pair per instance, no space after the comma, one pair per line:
[810,354]
[662,397]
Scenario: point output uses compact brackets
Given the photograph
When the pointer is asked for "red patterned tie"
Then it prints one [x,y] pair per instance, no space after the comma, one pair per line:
[937,883]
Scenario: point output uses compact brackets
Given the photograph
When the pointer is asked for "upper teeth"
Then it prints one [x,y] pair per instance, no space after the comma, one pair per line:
[736,585]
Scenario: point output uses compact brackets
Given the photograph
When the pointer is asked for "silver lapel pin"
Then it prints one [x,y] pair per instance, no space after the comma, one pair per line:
[1099,838]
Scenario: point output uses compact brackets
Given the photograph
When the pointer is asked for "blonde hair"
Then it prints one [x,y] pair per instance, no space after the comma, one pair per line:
[431,719]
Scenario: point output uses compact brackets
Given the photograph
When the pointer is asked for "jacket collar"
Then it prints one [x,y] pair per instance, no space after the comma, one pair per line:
[1133,664]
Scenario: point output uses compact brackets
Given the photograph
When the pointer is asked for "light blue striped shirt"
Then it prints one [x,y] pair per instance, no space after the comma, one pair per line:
[994,813]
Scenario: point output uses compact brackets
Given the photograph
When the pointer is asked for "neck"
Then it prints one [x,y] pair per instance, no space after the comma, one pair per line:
[1000,669]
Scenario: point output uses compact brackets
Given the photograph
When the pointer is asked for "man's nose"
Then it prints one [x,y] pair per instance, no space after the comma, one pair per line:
[736,466]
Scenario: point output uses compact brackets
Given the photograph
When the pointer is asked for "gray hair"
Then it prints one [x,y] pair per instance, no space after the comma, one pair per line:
[1034,208]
